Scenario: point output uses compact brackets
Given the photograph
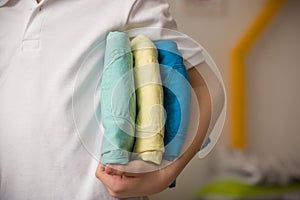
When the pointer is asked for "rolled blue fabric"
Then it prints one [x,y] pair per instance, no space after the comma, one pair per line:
[118,103]
[177,97]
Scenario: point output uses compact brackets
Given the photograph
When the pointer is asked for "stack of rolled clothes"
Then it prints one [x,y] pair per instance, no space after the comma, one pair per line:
[145,100]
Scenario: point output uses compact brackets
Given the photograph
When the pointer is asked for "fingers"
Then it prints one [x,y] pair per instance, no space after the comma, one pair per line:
[121,184]
[134,168]
[101,174]
[115,170]
[108,179]
[109,173]
[116,185]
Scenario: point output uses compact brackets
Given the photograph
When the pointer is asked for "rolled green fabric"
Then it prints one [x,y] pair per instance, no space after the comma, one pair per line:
[118,105]
[149,144]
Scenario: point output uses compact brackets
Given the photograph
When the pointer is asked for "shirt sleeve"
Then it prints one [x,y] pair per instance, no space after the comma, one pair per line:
[153,19]
[150,13]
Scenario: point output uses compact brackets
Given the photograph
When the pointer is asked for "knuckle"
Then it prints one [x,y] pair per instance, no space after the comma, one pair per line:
[97,174]
[116,193]
[118,189]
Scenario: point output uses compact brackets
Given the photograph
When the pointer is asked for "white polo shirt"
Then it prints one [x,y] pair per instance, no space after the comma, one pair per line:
[51,57]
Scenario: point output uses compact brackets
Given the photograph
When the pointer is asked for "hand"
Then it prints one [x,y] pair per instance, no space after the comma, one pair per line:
[125,180]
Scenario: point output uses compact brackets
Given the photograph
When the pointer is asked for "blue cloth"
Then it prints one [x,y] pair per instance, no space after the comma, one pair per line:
[177,97]
[118,103]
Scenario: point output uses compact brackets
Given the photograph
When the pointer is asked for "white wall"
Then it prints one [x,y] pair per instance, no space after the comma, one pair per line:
[273,78]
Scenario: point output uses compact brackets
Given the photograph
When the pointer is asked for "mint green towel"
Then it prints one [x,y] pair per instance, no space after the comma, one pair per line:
[118,105]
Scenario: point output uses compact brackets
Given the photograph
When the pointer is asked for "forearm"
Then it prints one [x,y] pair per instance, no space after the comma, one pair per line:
[204,102]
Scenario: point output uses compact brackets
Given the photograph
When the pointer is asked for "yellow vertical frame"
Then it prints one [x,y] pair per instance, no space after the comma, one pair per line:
[238,66]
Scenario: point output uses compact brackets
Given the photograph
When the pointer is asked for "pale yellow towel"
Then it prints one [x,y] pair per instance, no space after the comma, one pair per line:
[149,144]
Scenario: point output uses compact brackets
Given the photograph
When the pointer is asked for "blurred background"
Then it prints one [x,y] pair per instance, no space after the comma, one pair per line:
[270,160]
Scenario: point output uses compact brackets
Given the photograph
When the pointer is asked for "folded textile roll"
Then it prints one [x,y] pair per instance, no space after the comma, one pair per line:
[149,145]
[177,97]
[118,105]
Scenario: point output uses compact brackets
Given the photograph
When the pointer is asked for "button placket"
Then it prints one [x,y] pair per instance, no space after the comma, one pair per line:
[31,37]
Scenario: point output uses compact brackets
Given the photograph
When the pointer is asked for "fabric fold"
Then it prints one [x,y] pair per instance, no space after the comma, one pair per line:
[149,145]
[177,97]
[118,101]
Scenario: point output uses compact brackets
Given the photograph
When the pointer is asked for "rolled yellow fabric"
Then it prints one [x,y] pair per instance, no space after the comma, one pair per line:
[149,143]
